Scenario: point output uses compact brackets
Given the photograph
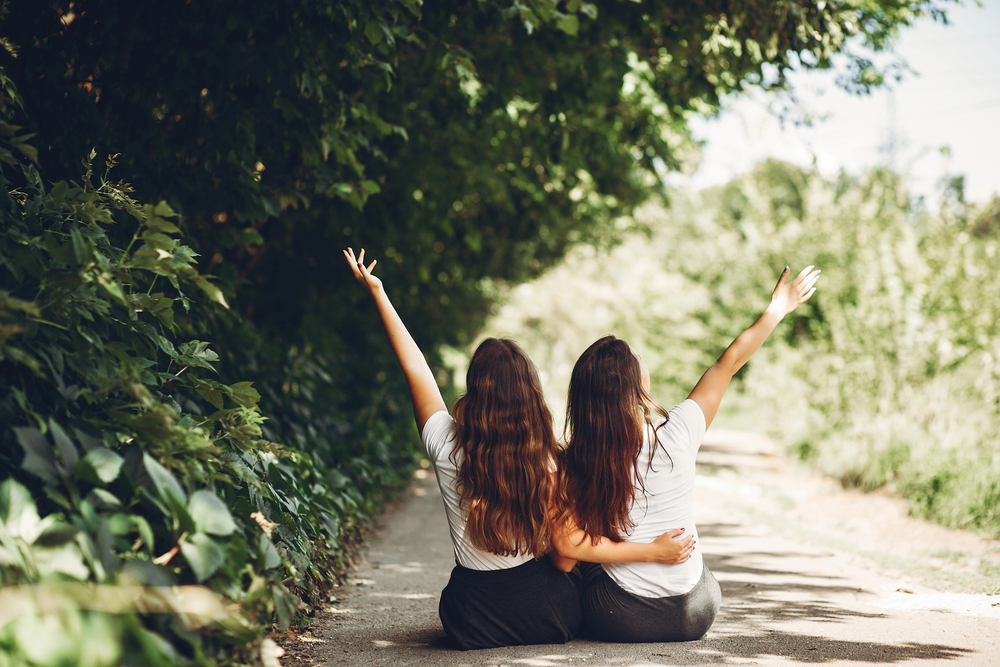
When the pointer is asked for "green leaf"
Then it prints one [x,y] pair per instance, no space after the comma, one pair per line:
[196,353]
[213,292]
[57,534]
[244,394]
[210,514]
[27,150]
[203,554]
[104,497]
[99,466]
[163,209]
[198,348]
[17,511]
[158,224]
[373,32]
[414,6]
[39,458]
[269,555]
[210,394]
[81,251]
[66,447]
[337,479]
[110,287]
[64,559]
[569,24]
[158,241]
[165,345]
[145,532]
[331,524]
[163,480]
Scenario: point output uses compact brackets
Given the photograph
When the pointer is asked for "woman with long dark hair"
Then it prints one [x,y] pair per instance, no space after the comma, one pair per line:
[628,473]
[494,462]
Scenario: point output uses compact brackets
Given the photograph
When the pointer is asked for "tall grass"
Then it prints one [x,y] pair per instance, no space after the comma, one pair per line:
[888,378]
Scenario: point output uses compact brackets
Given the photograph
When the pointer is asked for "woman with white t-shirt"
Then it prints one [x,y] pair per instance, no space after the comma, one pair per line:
[628,475]
[494,464]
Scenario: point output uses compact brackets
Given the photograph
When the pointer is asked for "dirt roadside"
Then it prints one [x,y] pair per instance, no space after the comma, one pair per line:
[809,573]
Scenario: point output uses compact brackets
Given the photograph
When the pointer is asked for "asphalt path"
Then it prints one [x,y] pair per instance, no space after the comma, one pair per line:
[809,574]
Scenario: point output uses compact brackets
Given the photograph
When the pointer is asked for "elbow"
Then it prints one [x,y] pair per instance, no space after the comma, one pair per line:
[727,366]
[559,549]
[566,565]
[564,549]
[562,563]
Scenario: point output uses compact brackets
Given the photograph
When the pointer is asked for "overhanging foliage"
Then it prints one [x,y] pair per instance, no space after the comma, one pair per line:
[467,143]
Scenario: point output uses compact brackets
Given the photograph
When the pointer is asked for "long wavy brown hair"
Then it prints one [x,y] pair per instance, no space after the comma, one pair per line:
[606,415]
[504,431]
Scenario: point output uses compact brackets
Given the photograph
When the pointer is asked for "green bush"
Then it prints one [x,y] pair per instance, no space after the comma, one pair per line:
[128,466]
[889,377]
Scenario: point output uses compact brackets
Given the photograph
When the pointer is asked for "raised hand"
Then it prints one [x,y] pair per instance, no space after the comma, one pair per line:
[423,387]
[674,552]
[787,296]
[362,273]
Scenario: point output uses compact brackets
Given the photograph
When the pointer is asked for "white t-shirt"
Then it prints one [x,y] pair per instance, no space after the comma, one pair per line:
[667,504]
[439,441]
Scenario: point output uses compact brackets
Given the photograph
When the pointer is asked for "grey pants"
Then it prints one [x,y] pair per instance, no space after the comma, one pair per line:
[614,615]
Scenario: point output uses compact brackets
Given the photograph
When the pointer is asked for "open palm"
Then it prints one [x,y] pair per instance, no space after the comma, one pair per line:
[789,295]
[362,273]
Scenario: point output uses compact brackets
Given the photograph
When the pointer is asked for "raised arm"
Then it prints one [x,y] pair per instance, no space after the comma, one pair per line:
[786,297]
[423,387]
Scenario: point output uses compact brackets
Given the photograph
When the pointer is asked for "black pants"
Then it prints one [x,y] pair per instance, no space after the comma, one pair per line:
[532,603]
[615,615]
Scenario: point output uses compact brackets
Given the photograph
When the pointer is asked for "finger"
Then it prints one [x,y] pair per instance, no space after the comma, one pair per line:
[802,275]
[674,533]
[372,265]
[809,294]
[361,257]
[807,284]
[783,277]
[349,254]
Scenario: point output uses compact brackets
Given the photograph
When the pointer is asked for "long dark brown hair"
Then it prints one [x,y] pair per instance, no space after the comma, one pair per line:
[504,431]
[606,415]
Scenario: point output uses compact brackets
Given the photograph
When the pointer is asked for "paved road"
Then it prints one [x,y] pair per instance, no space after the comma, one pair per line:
[798,586]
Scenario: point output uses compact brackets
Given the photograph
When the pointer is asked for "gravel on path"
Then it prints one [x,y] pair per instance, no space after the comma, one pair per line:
[809,574]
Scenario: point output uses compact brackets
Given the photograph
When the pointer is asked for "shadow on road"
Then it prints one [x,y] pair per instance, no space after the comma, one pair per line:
[816,649]
[427,647]
[784,601]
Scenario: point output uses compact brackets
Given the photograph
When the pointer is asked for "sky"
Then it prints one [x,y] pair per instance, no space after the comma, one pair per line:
[951,99]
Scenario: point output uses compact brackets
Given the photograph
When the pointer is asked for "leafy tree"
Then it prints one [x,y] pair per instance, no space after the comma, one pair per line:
[471,143]
[492,135]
